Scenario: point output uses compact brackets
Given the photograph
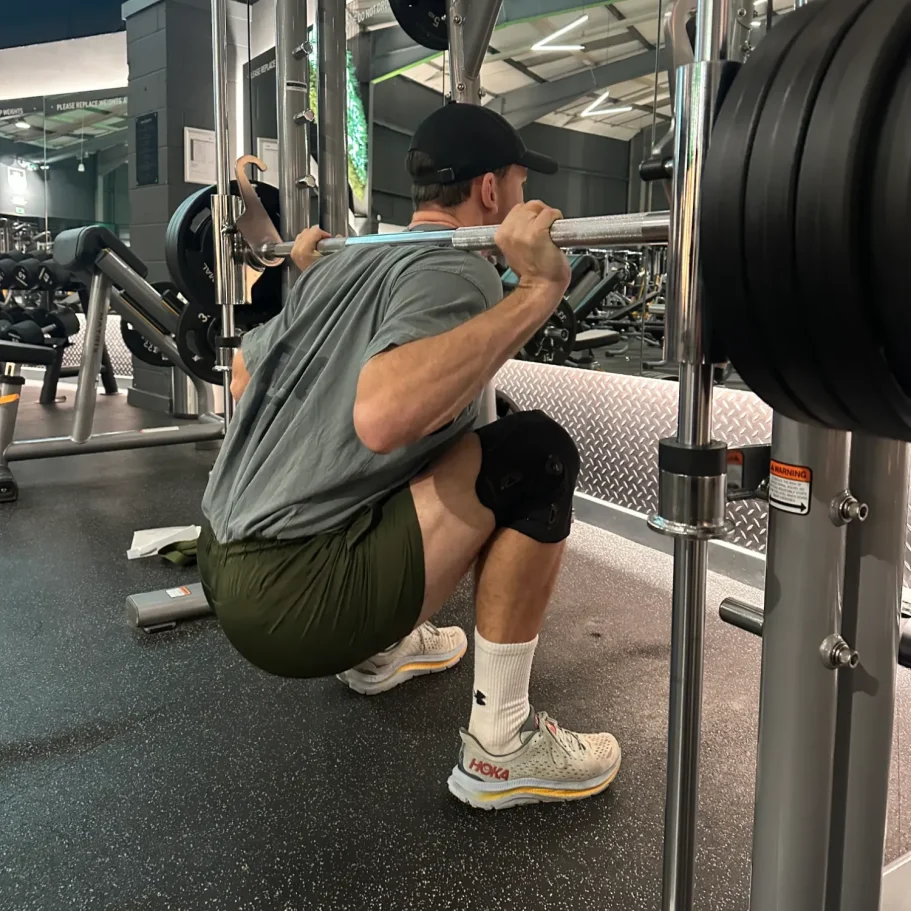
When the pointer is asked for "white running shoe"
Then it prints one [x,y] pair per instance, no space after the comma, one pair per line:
[552,764]
[426,650]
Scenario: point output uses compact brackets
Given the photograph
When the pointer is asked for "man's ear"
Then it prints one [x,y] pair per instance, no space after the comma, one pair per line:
[489,192]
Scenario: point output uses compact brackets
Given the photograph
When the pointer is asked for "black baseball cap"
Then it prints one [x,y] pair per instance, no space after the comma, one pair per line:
[466,140]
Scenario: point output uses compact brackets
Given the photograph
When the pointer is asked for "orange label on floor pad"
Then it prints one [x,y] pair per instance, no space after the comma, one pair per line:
[790,487]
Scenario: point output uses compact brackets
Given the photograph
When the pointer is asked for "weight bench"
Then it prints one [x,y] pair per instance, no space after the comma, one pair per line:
[595,294]
[595,338]
[105,263]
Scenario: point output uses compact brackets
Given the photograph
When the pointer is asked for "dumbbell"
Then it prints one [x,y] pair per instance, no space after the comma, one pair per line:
[51,276]
[59,324]
[8,263]
[28,272]
[26,331]
[13,313]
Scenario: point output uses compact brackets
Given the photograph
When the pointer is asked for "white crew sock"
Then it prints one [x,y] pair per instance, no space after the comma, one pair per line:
[500,701]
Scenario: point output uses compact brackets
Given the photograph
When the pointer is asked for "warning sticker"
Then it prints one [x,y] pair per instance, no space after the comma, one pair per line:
[177,592]
[789,487]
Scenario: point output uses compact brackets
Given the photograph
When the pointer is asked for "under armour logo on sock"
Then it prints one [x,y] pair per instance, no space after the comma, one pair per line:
[480,698]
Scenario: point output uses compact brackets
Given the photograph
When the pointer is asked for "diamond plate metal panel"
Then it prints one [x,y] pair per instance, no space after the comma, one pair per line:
[616,421]
[120,356]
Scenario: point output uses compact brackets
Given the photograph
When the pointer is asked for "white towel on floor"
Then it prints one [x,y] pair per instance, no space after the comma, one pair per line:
[148,541]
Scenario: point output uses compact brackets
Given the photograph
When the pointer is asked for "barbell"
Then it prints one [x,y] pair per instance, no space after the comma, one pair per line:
[567,233]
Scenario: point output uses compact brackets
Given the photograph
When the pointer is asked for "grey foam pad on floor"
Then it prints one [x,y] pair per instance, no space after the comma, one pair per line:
[166,773]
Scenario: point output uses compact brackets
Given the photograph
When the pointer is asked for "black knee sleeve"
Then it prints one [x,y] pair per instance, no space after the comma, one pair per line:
[529,466]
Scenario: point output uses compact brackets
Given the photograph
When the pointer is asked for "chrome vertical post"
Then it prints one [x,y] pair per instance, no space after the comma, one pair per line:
[292,86]
[470,28]
[465,89]
[332,119]
[692,486]
[229,286]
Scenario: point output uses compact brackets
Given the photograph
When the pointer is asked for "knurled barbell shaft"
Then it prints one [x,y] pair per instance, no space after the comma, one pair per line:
[602,230]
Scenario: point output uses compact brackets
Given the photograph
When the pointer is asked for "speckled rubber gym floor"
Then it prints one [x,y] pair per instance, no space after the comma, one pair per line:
[163,772]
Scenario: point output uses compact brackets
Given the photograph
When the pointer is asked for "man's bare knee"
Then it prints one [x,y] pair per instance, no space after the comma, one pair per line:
[449,485]
[454,524]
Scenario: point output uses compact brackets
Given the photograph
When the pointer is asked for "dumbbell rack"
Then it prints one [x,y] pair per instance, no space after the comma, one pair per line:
[112,283]
[37,272]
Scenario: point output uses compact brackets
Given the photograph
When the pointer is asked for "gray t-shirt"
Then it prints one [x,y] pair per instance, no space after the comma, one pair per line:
[291,464]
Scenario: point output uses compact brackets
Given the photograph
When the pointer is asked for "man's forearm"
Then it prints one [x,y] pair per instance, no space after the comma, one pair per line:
[410,391]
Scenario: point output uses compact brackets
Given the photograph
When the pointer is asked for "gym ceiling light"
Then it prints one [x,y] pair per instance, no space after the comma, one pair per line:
[594,109]
[545,43]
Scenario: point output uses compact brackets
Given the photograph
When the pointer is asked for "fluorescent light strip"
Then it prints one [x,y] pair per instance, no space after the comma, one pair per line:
[590,110]
[545,45]
[594,111]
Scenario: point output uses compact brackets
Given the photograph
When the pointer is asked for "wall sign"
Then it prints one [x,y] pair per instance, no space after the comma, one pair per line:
[18,182]
[147,149]
[198,155]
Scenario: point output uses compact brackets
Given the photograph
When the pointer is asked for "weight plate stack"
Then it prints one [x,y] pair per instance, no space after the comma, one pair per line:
[140,347]
[734,333]
[831,223]
[553,342]
[787,310]
[137,343]
[190,254]
[887,248]
[424,21]
[193,342]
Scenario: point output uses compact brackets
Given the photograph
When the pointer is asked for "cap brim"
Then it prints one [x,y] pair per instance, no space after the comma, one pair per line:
[543,164]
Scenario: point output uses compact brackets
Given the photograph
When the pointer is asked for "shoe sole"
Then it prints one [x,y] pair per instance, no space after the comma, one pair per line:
[484,796]
[408,670]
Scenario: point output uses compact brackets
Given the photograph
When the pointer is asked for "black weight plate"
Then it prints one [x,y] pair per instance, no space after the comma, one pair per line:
[184,245]
[890,211]
[193,343]
[789,312]
[190,255]
[832,203]
[140,347]
[553,342]
[424,21]
[733,332]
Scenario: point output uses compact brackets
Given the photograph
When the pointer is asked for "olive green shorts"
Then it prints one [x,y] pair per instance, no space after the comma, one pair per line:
[319,606]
